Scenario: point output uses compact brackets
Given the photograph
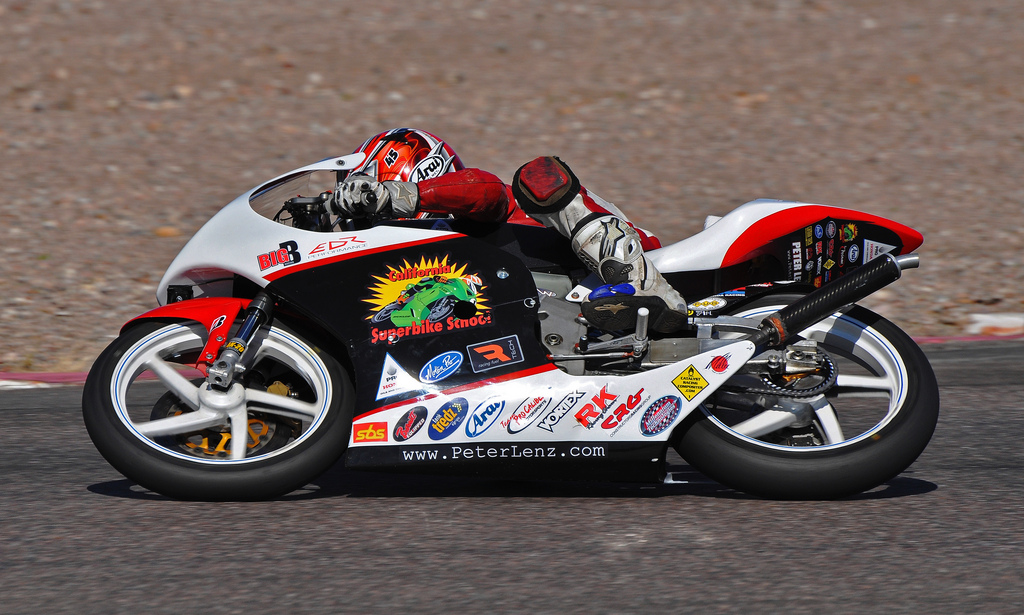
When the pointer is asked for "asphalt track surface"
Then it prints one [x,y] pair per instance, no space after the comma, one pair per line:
[944,537]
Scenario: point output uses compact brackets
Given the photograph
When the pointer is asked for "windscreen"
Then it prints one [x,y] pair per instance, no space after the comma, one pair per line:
[267,201]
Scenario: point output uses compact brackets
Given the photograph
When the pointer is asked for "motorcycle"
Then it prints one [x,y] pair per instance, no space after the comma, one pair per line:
[286,338]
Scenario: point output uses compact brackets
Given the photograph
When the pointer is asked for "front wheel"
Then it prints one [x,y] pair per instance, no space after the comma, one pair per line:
[865,429]
[158,422]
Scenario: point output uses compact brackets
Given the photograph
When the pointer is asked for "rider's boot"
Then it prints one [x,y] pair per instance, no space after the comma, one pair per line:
[631,281]
[548,191]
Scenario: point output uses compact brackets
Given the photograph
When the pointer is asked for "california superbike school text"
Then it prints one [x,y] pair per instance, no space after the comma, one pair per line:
[427,327]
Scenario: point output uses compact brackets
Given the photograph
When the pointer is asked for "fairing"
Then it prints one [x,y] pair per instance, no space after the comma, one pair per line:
[748,230]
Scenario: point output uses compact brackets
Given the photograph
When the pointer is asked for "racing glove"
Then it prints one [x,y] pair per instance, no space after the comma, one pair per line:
[359,195]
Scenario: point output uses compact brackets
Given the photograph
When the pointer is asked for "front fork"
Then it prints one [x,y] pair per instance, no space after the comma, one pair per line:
[222,373]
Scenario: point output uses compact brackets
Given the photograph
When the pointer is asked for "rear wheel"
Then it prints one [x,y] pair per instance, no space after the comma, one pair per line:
[157,421]
[862,431]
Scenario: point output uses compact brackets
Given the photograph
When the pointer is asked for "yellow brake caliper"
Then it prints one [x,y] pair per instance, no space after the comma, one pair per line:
[258,428]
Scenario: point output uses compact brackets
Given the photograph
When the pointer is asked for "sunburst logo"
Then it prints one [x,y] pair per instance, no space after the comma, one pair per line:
[401,283]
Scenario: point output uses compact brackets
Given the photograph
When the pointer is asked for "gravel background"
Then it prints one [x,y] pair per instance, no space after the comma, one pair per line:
[124,125]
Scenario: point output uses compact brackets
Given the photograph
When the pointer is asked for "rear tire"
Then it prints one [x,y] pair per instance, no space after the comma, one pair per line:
[869,443]
[297,404]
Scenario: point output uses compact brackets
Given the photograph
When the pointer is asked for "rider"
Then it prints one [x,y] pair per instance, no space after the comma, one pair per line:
[411,173]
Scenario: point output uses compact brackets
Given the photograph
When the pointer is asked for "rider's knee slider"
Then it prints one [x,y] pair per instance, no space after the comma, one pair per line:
[545,185]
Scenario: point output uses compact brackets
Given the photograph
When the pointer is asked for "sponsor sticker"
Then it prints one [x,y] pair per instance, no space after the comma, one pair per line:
[394,379]
[818,231]
[529,411]
[591,412]
[336,246]
[559,410]
[218,322]
[830,229]
[623,411]
[853,254]
[441,366]
[660,415]
[690,383]
[719,364]
[421,298]
[410,424]
[875,248]
[287,253]
[797,255]
[708,305]
[485,415]
[494,353]
[448,418]
[848,233]
[369,432]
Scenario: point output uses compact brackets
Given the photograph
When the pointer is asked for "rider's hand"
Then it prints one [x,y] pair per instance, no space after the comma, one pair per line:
[358,196]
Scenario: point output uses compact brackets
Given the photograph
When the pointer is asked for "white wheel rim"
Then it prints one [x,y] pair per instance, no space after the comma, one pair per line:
[867,345]
[149,354]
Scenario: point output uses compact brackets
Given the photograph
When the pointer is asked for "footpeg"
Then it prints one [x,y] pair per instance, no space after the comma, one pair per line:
[643,316]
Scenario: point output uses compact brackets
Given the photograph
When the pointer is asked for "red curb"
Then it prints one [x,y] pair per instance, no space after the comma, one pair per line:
[49,378]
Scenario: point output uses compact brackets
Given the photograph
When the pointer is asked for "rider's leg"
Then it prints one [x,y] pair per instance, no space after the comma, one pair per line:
[603,239]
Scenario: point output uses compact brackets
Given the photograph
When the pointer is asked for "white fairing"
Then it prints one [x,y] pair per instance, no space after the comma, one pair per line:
[556,407]
[707,249]
[239,240]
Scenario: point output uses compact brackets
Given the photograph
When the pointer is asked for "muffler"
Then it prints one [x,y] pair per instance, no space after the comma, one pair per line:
[851,288]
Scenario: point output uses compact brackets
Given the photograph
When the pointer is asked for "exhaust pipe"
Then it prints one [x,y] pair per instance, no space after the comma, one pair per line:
[851,288]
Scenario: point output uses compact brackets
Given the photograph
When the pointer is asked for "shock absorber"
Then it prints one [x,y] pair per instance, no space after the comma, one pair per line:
[221,374]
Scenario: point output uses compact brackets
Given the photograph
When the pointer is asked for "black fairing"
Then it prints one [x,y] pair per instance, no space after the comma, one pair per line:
[343,297]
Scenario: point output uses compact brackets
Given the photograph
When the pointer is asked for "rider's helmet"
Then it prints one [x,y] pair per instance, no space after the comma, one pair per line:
[407,154]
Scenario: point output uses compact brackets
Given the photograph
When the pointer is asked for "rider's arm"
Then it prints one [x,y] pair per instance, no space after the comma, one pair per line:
[471,194]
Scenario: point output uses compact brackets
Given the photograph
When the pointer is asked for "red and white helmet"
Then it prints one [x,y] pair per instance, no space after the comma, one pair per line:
[407,154]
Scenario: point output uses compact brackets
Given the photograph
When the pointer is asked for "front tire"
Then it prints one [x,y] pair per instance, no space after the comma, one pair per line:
[869,427]
[157,422]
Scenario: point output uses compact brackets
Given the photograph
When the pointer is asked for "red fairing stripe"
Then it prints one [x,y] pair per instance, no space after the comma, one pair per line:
[787,221]
[540,369]
[394,246]
[205,310]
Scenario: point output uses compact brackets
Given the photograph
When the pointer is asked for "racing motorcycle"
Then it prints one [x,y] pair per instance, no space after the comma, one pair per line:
[286,338]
